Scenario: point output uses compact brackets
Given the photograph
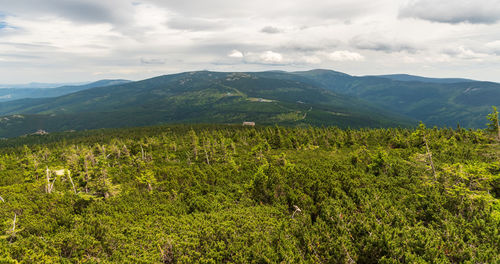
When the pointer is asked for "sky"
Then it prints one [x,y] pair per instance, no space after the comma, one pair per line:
[88,40]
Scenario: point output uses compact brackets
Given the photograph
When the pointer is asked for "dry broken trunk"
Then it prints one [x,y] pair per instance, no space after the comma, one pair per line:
[12,232]
[71,180]
[429,154]
[50,185]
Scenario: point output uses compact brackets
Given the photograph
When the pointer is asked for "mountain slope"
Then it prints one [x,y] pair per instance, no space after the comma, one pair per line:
[413,78]
[196,97]
[440,104]
[10,94]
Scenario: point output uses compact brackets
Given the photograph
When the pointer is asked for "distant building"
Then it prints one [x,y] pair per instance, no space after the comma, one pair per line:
[248,123]
[40,132]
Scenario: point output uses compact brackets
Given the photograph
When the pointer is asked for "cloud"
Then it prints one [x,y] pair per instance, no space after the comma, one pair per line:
[313,59]
[453,11]
[376,43]
[89,11]
[494,46]
[154,61]
[464,53]
[6,28]
[345,55]
[195,24]
[134,39]
[298,9]
[271,57]
[265,58]
[235,54]
[270,30]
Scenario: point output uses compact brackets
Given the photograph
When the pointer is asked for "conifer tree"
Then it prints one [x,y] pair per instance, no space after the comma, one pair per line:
[494,126]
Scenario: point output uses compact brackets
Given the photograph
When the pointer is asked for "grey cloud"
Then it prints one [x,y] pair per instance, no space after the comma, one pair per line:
[373,43]
[195,24]
[154,61]
[270,30]
[453,11]
[465,53]
[30,46]
[89,11]
[308,47]
[84,11]
[20,56]
[299,9]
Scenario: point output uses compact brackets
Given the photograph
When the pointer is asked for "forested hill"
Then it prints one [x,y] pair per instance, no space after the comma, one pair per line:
[413,78]
[231,194]
[316,97]
[197,97]
[436,102]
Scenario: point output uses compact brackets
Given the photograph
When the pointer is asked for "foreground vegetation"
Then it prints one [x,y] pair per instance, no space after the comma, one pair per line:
[228,194]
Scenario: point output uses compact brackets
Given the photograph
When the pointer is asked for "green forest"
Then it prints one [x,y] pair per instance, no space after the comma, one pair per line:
[233,194]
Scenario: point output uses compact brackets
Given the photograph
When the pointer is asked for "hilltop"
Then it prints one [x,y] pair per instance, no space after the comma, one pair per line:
[197,97]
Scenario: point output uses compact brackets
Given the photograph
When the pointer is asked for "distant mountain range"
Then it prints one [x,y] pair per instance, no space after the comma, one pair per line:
[439,102]
[317,97]
[41,91]
[413,78]
[40,85]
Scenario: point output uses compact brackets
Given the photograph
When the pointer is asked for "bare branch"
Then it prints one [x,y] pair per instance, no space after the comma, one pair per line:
[297,210]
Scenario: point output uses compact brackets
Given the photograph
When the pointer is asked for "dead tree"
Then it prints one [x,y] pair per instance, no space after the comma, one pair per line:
[50,185]
[207,159]
[142,152]
[429,155]
[12,232]
[71,180]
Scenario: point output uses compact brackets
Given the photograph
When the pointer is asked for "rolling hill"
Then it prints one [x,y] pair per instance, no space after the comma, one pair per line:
[433,101]
[196,97]
[316,97]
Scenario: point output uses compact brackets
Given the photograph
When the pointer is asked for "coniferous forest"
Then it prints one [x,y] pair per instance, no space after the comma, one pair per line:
[231,194]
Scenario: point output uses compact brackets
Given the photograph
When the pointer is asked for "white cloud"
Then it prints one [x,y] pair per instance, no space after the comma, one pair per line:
[493,46]
[271,57]
[266,57]
[345,55]
[134,40]
[235,54]
[196,24]
[310,60]
[462,52]
[453,11]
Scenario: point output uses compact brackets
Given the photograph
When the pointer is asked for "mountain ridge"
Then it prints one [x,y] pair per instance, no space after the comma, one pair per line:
[198,97]
[11,94]
[414,78]
[316,97]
